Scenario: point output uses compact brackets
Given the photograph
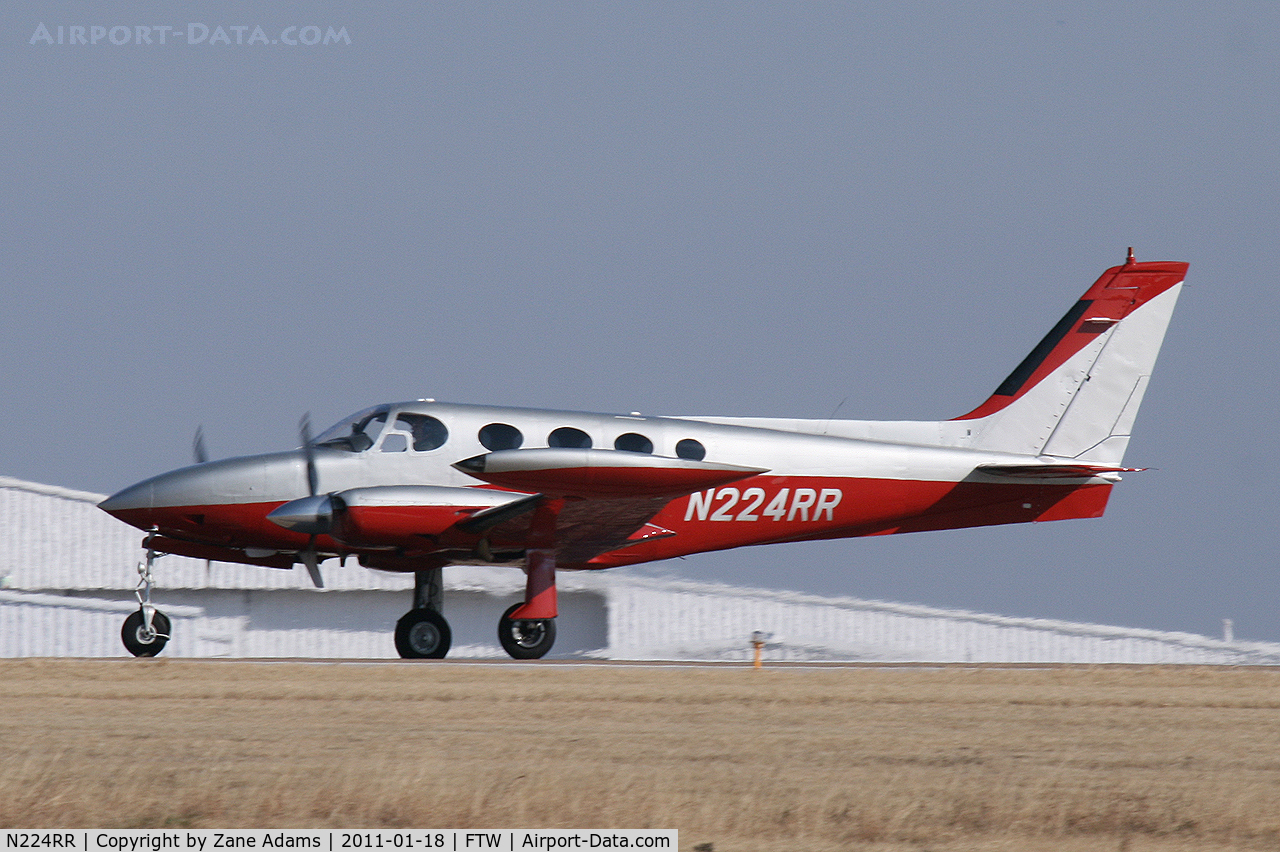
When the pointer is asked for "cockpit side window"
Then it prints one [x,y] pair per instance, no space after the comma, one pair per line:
[427,432]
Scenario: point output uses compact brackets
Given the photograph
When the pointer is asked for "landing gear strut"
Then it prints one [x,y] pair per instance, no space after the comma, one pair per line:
[146,631]
[528,630]
[422,632]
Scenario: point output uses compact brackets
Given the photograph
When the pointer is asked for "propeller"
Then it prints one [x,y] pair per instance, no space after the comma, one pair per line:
[201,456]
[197,447]
[304,427]
[309,557]
[311,560]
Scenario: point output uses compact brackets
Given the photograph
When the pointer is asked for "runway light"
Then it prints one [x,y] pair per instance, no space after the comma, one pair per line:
[758,638]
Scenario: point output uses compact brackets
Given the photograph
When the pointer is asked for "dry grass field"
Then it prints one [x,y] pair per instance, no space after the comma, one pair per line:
[955,758]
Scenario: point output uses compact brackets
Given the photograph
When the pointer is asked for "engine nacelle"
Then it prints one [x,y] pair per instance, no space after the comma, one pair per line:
[384,515]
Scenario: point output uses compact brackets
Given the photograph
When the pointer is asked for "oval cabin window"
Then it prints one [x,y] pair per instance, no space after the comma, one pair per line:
[632,442]
[501,436]
[691,449]
[567,436]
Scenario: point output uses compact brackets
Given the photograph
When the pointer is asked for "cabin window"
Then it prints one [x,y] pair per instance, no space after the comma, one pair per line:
[567,436]
[632,442]
[691,449]
[501,436]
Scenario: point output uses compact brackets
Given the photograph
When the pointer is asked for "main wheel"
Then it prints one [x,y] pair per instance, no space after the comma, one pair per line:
[138,640]
[526,639]
[423,634]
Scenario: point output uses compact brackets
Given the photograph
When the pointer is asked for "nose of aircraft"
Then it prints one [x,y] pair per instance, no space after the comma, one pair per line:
[137,496]
[251,479]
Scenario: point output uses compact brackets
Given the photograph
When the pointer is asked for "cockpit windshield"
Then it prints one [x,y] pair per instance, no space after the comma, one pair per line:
[356,433]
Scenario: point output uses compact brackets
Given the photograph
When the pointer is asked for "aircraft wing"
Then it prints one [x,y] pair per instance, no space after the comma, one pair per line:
[603,498]
[581,503]
[587,528]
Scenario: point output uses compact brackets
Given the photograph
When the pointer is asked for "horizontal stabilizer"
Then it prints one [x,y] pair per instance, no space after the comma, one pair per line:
[1057,471]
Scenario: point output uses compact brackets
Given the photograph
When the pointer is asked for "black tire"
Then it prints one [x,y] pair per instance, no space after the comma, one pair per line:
[423,634]
[135,638]
[526,639]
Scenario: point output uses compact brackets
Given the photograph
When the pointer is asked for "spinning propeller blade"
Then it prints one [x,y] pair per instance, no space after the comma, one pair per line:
[201,456]
[309,557]
[304,426]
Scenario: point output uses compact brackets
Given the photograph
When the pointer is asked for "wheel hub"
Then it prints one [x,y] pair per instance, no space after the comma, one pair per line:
[424,637]
[528,634]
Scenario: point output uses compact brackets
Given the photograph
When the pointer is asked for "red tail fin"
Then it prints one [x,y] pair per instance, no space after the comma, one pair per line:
[1119,292]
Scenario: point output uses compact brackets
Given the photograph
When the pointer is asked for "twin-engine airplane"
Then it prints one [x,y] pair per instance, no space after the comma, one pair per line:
[417,486]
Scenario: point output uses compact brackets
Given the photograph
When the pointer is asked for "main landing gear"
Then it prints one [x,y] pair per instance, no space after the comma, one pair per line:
[146,631]
[526,638]
[422,632]
[526,630]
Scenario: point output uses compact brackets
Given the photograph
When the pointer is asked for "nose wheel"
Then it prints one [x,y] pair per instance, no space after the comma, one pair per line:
[141,639]
[147,631]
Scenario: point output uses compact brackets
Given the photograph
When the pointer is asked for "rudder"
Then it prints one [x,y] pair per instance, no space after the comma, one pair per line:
[1077,393]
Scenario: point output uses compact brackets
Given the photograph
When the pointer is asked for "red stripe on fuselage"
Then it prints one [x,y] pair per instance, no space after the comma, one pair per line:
[733,516]
[760,510]
[220,524]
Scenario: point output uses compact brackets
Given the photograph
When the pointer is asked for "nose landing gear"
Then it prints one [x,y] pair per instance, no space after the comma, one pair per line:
[145,632]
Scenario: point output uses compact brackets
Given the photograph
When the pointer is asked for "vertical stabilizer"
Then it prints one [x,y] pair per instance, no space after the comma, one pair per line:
[1077,394]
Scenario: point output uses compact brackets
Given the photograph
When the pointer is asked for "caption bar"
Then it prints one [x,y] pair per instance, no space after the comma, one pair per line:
[337,840]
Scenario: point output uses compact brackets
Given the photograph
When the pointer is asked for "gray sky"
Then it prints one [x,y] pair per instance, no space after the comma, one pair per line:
[770,209]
